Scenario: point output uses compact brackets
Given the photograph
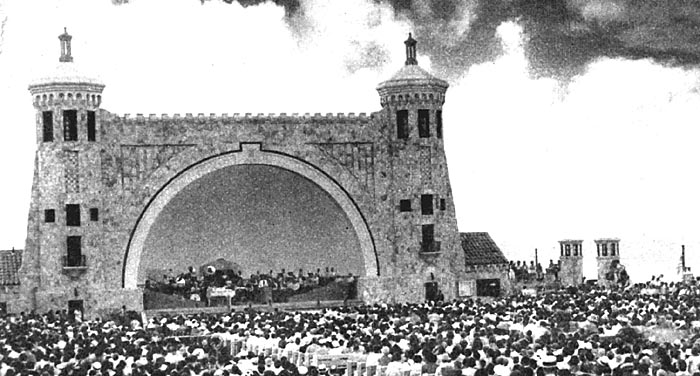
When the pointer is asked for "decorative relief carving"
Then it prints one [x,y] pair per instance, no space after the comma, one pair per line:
[356,157]
[72,171]
[426,165]
[108,166]
[139,161]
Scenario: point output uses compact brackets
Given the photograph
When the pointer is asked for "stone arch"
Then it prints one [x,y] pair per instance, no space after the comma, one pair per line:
[248,154]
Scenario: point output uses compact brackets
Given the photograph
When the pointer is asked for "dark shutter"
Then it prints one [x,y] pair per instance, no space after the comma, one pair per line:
[423,123]
[402,124]
[47,120]
[70,125]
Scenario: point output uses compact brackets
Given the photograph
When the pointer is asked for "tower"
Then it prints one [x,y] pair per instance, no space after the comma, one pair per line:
[101,181]
[571,261]
[63,224]
[423,215]
[608,260]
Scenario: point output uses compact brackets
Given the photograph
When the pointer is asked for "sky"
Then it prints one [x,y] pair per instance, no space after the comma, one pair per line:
[564,118]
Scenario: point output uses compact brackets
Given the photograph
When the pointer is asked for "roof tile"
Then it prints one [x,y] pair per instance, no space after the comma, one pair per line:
[10,262]
[480,249]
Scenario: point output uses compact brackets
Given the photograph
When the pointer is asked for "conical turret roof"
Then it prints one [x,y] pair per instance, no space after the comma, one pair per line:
[411,74]
[66,71]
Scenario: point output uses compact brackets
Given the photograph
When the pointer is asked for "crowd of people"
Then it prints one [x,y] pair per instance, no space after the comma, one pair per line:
[586,331]
[522,271]
[257,288]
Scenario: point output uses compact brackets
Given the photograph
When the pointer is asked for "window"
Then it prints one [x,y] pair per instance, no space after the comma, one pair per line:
[402,124]
[91,125]
[70,125]
[612,249]
[426,204]
[423,123]
[567,249]
[74,252]
[49,216]
[73,306]
[428,235]
[405,205]
[575,247]
[438,123]
[488,287]
[604,249]
[47,120]
[72,215]
[94,215]
[443,204]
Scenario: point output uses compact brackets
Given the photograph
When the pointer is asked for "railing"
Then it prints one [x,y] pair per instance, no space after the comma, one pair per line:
[430,248]
[70,262]
[74,268]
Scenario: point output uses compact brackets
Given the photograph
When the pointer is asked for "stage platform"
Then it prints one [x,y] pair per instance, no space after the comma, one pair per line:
[289,306]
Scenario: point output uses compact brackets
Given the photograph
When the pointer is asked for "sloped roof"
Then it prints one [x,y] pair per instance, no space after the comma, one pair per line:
[66,73]
[480,249]
[10,261]
[412,75]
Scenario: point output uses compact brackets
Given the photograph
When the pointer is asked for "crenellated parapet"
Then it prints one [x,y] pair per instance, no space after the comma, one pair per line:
[417,98]
[214,128]
[65,96]
[249,117]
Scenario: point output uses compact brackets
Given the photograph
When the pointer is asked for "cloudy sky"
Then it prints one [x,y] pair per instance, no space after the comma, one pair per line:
[565,118]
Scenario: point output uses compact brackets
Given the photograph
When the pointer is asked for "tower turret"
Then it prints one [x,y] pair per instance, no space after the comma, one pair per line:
[414,99]
[419,188]
[571,261]
[66,100]
[63,227]
[608,260]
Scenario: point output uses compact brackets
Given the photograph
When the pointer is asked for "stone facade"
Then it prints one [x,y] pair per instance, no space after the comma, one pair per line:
[571,262]
[608,258]
[121,171]
[475,273]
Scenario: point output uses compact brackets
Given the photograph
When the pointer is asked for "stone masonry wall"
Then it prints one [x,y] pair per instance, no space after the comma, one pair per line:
[571,273]
[133,159]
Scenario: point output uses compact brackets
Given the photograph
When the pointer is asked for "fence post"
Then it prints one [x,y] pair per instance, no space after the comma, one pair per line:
[371,370]
[348,368]
[360,368]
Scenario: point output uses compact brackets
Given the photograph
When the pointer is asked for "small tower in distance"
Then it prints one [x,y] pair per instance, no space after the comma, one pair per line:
[608,260]
[571,262]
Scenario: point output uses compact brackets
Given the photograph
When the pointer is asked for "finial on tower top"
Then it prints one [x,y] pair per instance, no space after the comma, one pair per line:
[410,50]
[65,39]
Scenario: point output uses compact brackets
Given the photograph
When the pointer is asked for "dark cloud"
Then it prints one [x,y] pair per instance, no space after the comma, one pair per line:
[562,36]
[370,55]
[290,6]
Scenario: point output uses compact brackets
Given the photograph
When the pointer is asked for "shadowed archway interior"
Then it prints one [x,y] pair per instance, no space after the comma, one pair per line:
[259,216]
